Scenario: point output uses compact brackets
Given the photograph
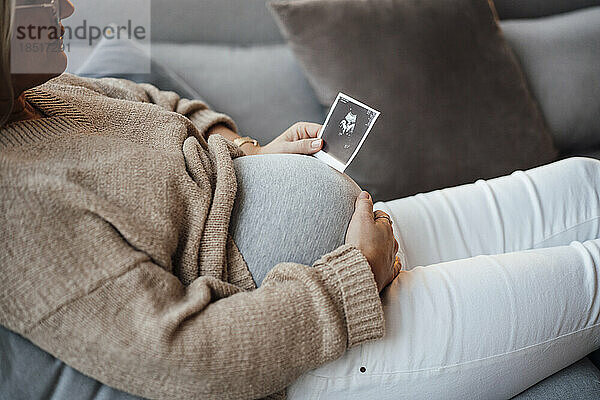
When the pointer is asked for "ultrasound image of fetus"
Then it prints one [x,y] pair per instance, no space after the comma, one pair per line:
[346,126]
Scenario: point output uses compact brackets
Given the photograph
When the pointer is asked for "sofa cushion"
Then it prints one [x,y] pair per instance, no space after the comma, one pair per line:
[28,372]
[455,105]
[561,59]
[508,9]
[580,381]
[261,87]
[591,153]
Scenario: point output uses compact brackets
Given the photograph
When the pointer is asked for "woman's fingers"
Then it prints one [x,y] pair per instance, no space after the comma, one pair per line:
[304,130]
[363,207]
[300,138]
[304,146]
[382,215]
[374,238]
[384,218]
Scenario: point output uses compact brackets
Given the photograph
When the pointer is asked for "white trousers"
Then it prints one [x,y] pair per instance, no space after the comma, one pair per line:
[500,290]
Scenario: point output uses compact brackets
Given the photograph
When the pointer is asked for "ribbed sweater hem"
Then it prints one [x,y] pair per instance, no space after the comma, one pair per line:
[347,269]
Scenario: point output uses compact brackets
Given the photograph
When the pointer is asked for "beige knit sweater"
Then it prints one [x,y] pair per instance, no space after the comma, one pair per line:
[115,255]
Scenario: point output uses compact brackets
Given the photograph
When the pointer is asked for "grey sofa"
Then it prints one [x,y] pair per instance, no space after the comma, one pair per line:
[231,52]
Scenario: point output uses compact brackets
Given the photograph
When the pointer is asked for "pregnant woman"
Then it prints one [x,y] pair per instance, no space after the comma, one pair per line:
[141,247]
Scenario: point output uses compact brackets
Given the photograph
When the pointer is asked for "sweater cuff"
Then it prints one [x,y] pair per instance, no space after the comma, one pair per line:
[348,276]
[206,119]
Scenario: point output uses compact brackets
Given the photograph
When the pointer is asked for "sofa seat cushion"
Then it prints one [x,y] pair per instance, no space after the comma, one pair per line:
[580,381]
[28,372]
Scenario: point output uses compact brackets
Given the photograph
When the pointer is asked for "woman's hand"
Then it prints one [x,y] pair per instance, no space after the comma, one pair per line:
[375,239]
[300,138]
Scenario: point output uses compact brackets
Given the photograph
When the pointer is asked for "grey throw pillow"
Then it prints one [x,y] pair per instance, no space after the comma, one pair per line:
[455,105]
[561,58]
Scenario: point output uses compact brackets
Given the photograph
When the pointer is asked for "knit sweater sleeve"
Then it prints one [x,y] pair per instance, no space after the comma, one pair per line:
[196,110]
[145,333]
[201,115]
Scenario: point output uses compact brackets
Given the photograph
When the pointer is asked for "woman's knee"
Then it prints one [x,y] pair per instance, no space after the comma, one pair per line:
[583,174]
[582,164]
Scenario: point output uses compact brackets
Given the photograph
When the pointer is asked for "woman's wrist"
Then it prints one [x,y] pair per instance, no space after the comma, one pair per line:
[221,129]
[250,149]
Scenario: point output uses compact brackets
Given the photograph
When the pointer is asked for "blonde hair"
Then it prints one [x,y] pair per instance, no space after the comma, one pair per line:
[6,87]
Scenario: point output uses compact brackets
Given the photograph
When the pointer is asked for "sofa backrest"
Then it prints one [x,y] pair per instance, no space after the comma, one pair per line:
[247,22]
[241,22]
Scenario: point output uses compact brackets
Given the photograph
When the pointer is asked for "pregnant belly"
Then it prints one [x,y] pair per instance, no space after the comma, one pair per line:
[289,208]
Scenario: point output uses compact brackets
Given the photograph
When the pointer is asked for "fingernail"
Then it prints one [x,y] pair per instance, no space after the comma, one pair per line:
[363,195]
[316,144]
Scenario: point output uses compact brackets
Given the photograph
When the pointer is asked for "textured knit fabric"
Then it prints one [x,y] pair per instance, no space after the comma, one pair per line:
[115,255]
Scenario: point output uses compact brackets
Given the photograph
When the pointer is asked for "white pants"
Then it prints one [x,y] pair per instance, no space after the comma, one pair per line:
[500,289]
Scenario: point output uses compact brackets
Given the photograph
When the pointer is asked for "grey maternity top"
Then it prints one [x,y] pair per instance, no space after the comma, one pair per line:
[289,208]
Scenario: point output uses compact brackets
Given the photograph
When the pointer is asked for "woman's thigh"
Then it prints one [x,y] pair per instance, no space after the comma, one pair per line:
[546,206]
[486,327]
[492,325]
[289,208]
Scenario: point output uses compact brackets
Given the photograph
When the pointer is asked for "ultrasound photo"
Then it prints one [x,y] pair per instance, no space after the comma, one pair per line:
[344,131]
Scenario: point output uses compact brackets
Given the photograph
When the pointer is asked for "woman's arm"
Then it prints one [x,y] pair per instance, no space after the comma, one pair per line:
[300,138]
[143,332]
[79,288]
[203,118]
[227,133]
